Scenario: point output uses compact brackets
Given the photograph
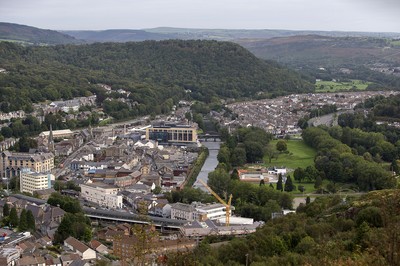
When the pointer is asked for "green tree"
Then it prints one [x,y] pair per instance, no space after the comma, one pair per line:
[87,235]
[318,182]
[224,155]
[281,146]
[157,190]
[219,181]
[288,184]
[279,184]
[23,223]
[6,132]
[25,144]
[188,116]
[198,118]
[394,167]
[308,200]
[235,174]
[13,217]
[238,156]
[30,221]
[371,215]
[270,152]
[59,185]
[299,174]
[66,203]
[311,173]
[254,151]
[76,225]
[6,210]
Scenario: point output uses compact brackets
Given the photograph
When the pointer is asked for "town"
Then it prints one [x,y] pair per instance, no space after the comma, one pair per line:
[119,174]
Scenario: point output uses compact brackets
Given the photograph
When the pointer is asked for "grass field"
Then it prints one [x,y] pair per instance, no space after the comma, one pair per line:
[333,86]
[105,122]
[309,186]
[300,155]
[395,43]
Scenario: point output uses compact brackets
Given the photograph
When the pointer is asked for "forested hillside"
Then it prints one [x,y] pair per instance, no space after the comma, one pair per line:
[329,231]
[151,71]
[32,35]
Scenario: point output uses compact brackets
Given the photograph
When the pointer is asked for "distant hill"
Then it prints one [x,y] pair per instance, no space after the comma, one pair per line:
[233,34]
[323,49]
[366,58]
[32,35]
[163,33]
[119,35]
[151,71]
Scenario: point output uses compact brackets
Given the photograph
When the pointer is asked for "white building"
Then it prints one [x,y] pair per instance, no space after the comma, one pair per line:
[102,194]
[31,181]
[198,211]
[277,170]
[212,211]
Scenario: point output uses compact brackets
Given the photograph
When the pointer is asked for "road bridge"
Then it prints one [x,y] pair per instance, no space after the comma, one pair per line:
[117,216]
[208,137]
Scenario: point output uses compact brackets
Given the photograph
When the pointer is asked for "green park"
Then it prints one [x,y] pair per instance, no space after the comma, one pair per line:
[298,154]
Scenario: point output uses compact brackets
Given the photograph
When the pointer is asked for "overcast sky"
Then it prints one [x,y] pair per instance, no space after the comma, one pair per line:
[341,15]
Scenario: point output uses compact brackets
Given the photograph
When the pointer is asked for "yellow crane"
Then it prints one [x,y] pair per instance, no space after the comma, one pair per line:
[227,205]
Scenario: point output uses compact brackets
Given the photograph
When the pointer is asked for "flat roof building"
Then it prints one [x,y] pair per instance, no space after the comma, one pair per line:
[31,181]
[171,133]
[102,194]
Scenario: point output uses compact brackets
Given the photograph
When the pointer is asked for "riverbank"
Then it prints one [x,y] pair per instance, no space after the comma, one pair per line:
[210,164]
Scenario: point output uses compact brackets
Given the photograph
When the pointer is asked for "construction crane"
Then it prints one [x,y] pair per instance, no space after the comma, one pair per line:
[227,205]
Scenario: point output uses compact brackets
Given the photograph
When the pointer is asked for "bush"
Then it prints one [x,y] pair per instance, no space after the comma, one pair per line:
[370,215]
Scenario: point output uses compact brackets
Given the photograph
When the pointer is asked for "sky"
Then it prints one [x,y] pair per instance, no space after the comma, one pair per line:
[332,15]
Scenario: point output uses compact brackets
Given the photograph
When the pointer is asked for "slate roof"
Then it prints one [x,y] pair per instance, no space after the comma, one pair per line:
[76,244]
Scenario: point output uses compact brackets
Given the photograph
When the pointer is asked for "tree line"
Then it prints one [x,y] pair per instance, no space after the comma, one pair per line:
[336,161]
[24,222]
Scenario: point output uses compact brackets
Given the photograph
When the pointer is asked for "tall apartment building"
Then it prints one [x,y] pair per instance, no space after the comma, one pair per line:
[172,133]
[11,163]
[31,181]
[102,194]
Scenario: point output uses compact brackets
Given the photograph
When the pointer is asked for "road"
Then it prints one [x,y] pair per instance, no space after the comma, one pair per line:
[62,171]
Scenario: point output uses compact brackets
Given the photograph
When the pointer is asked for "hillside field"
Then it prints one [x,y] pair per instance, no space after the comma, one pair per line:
[300,155]
[334,86]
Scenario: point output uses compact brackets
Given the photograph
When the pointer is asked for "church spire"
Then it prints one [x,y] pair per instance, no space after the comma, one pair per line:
[51,140]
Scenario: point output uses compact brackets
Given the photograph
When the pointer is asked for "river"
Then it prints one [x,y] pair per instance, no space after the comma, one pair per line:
[210,164]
